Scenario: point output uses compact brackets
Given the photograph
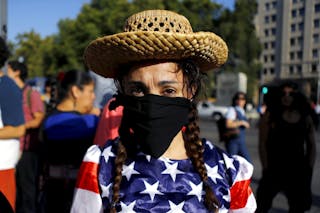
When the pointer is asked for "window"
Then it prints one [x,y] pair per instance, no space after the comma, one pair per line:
[299,68]
[316,23]
[272,70]
[267,5]
[317,8]
[265,58]
[291,69]
[291,55]
[293,27]
[266,46]
[315,53]
[293,13]
[272,58]
[314,68]
[266,19]
[292,41]
[266,32]
[274,4]
[273,44]
[301,12]
[300,40]
[301,25]
[315,38]
[273,31]
[273,18]
[299,54]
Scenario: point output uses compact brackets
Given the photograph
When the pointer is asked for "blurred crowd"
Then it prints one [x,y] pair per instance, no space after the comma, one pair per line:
[51,131]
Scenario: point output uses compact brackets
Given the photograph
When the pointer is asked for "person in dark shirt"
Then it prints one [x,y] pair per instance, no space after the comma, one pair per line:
[67,132]
[287,150]
[11,128]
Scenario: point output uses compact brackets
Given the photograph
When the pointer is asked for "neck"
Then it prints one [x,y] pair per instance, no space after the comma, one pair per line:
[19,82]
[176,150]
[66,105]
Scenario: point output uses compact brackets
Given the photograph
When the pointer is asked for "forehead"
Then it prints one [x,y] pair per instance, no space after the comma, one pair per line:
[155,71]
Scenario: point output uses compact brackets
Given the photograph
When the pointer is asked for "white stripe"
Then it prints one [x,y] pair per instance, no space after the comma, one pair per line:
[93,154]
[250,207]
[9,153]
[245,169]
[86,201]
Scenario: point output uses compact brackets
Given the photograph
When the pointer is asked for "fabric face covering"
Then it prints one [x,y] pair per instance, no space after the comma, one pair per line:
[153,122]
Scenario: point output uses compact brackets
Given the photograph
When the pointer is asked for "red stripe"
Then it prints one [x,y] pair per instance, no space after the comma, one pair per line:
[240,193]
[88,177]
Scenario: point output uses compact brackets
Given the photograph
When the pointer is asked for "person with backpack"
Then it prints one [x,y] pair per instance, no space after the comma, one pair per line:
[27,170]
[236,119]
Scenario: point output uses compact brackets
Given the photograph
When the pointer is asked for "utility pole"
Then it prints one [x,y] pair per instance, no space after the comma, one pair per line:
[3,19]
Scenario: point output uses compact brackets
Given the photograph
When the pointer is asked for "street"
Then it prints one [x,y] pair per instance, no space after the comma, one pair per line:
[209,131]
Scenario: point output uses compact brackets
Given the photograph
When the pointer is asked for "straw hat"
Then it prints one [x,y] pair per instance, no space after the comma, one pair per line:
[155,34]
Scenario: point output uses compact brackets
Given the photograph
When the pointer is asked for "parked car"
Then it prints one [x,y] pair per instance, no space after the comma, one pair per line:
[209,110]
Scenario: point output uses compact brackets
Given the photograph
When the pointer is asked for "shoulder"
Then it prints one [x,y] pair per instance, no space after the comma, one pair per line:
[231,113]
[7,84]
[235,167]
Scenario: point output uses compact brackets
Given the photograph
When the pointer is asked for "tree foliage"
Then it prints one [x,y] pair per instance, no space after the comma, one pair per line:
[64,50]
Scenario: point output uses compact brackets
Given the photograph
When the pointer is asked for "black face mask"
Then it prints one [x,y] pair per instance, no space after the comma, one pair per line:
[154,121]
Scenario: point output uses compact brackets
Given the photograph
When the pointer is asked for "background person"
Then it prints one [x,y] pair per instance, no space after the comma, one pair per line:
[236,118]
[159,163]
[68,131]
[287,150]
[27,170]
[11,129]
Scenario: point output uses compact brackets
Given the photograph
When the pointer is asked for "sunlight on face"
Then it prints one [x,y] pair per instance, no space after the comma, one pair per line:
[86,98]
[164,79]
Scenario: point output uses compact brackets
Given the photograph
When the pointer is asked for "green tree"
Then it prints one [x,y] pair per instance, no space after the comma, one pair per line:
[33,50]
[237,28]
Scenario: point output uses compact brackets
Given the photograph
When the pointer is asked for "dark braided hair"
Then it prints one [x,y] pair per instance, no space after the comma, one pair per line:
[193,78]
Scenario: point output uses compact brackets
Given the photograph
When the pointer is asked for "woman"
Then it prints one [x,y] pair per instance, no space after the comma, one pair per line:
[68,131]
[236,119]
[286,145]
[159,163]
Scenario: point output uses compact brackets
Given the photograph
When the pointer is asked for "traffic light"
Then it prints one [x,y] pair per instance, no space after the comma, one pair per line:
[264,90]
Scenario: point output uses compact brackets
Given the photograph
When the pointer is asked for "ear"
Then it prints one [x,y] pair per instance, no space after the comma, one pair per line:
[75,91]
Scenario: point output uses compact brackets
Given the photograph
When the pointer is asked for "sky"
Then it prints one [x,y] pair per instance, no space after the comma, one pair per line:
[43,15]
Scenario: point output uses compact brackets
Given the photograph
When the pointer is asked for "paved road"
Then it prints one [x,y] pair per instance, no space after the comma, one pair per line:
[208,130]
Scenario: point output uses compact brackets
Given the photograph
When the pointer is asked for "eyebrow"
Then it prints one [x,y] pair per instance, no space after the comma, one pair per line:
[161,83]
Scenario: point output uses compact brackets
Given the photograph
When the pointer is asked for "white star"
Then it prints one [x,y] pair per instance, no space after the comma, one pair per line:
[127,208]
[172,170]
[210,145]
[148,157]
[105,190]
[196,190]
[213,173]
[152,190]
[129,170]
[229,162]
[107,153]
[176,208]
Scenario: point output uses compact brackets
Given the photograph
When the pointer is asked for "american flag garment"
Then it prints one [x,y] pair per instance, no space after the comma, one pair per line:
[163,185]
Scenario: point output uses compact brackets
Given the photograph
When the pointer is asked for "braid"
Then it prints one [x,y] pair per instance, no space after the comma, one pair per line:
[119,161]
[195,151]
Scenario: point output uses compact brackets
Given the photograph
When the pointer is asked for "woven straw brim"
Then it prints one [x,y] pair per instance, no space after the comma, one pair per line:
[105,55]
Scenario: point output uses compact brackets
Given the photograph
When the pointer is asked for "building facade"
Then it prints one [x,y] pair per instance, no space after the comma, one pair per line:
[289,31]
